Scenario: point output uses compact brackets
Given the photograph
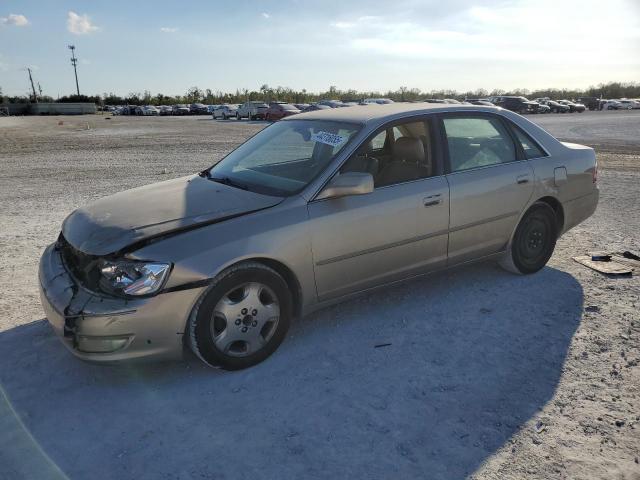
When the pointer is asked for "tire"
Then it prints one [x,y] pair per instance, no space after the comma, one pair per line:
[242,318]
[533,241]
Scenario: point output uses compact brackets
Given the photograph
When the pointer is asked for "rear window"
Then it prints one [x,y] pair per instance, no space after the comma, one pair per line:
[477,142]
[529,146]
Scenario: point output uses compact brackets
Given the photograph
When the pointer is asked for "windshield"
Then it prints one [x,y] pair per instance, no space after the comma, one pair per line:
[285,157]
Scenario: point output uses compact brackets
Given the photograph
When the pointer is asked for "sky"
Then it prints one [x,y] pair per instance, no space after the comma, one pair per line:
[164,46]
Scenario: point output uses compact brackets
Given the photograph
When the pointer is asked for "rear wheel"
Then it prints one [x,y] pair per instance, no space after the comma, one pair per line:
[533,242]
[242,318]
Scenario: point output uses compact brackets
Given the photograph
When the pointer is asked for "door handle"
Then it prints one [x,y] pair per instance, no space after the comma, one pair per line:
[522,179]
[432,200]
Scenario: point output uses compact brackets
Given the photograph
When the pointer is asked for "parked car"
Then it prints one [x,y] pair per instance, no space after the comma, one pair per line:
[139,110]
[331,103]
[591,103]
[279,110]
[313,107]
[129,110]
[515,104]
[198,109]
[609,104]
[180,110]
[165,110]
[225,112]
[379,101]
[479,101]
[573,107]
[301,106]
[554,106]
[253,110]
[150,110]
[626,104]
[311,210]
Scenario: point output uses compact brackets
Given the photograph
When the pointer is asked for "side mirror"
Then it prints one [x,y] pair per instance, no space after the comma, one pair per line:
[349,183]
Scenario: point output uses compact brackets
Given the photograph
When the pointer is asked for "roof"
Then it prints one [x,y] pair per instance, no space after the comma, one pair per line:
[366,113]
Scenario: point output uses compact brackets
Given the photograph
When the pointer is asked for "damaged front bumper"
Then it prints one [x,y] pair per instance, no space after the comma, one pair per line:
[103,328]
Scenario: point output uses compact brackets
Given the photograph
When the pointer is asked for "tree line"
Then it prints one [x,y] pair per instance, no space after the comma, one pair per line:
[267,93]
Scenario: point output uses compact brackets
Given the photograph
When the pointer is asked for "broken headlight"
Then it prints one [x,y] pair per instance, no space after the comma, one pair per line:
[133,278]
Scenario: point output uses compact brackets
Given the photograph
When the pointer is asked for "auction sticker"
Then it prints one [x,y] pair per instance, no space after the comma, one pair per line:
[328,138]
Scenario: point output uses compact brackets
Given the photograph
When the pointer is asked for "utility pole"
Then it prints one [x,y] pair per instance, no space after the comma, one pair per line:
[35,97]
[39,89]
[74,62]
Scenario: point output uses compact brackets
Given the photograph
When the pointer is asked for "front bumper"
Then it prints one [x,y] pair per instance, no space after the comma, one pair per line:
[107,329]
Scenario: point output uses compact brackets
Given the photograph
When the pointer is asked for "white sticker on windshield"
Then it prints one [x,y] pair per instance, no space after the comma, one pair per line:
[328,138]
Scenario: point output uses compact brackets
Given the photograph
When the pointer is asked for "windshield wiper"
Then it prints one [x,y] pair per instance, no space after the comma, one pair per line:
[227,181]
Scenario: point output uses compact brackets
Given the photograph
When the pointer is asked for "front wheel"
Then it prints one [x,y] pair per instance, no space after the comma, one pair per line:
[242,318]
[533,242]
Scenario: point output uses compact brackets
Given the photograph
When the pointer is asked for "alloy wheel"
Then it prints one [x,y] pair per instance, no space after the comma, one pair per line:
[245,319]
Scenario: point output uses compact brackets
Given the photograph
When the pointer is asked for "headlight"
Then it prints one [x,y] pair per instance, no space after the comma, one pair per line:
[133,278]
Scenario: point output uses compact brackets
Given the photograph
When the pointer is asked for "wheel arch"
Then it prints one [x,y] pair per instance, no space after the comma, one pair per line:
[555,204]
[289,277]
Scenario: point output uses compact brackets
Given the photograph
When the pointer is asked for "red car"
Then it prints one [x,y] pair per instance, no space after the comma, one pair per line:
[279,110]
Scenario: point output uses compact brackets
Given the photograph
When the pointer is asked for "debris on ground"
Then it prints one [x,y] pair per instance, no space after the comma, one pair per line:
[611,267]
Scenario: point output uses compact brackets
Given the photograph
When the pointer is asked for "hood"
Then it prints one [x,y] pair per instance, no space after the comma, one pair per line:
[116,222]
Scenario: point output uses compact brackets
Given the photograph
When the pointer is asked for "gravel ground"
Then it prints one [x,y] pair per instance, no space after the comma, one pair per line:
[487,375]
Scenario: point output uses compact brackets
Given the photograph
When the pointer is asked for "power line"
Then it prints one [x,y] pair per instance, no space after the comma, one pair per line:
[74,62]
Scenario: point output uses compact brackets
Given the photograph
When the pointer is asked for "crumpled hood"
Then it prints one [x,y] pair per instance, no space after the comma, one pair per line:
[117,221]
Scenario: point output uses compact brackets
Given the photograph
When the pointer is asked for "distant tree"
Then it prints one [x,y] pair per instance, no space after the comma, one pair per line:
[194,95]
[80,99]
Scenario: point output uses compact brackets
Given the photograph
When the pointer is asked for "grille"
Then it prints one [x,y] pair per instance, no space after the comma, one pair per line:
[84,268]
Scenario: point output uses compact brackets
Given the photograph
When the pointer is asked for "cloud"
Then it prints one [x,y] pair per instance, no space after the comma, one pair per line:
[14,19]
[169,29]
[343,25]
[80,24]
[266,15]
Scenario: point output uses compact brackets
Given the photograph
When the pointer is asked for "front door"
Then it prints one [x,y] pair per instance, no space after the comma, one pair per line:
[398,230]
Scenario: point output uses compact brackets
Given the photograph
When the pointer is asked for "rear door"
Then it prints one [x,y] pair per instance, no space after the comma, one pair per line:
[490,184]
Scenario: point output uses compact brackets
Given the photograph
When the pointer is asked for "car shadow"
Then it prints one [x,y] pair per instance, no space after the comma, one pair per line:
[426,379]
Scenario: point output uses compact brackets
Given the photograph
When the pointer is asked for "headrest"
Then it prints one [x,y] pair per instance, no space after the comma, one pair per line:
[409,150]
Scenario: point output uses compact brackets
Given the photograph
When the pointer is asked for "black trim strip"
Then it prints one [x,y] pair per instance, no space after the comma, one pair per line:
[414,239]
[383,247]
[489,220]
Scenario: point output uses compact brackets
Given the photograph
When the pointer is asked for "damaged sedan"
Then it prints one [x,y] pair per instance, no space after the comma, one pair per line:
[310,211]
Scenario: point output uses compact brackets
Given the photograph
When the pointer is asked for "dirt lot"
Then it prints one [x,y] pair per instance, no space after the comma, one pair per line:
[488,375]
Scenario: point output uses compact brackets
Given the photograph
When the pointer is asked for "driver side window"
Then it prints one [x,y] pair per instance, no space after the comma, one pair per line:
[397,154]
